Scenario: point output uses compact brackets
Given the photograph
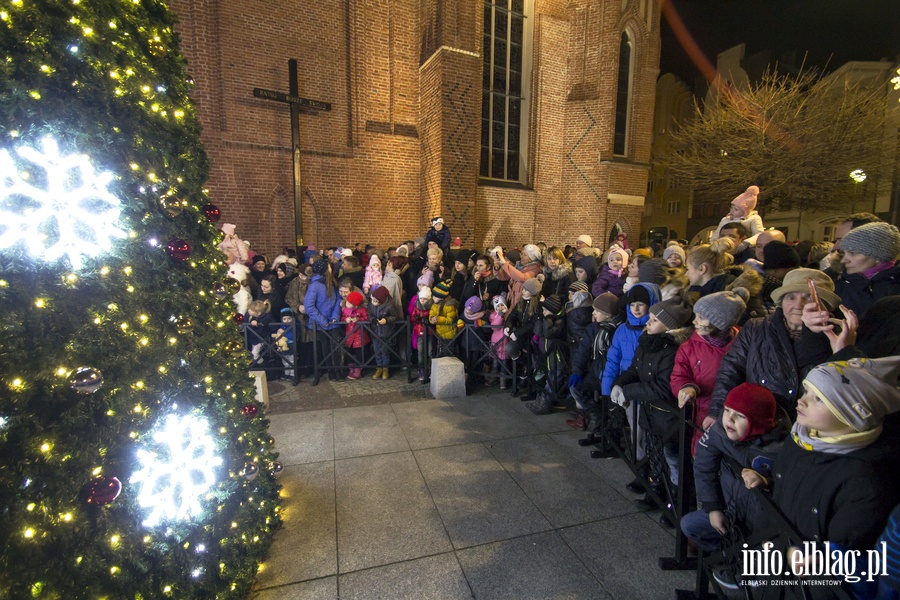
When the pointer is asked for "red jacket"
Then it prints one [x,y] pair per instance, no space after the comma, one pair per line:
[696,364]
[356,336]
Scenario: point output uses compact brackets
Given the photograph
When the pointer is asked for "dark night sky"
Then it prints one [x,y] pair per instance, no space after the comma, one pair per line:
[831,31]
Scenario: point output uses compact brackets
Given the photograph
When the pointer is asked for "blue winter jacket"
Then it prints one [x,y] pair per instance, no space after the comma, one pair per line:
[322,309]
[625,341]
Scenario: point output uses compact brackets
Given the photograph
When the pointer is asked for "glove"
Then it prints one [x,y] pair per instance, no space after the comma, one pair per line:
[575,379]
[512,336]
[618,396]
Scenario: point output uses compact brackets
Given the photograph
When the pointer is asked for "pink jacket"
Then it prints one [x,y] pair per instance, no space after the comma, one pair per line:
[517,278]
[498,339]
[696,364]
[372,277]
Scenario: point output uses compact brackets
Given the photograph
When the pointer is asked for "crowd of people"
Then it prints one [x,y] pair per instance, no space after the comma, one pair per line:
[784,357]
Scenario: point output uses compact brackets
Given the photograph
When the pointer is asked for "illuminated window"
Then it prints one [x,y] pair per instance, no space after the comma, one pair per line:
[623,96]
[506,81]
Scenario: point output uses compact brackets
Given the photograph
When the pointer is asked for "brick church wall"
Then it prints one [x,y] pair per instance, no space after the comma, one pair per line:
[401,141]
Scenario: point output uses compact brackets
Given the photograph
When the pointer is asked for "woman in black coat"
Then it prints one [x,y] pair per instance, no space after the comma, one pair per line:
[777,351]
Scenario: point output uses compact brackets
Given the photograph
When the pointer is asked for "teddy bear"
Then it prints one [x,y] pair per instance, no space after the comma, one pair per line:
[242,298]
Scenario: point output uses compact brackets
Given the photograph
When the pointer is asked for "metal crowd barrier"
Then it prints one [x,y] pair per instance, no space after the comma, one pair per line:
[485,352]
[273,359]
[611,442]
[781,534]
[339,356]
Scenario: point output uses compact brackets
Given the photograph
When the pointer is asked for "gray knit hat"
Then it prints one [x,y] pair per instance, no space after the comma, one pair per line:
[674,249]
[723,309]
[654,270]
[533,286]
[859,391]
[880,241]
[673,313]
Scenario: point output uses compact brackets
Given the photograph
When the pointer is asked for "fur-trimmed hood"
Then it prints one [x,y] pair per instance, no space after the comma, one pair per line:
[563,271]
[745,277]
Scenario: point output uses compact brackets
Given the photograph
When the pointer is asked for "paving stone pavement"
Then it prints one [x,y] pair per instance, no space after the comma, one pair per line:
[391,494]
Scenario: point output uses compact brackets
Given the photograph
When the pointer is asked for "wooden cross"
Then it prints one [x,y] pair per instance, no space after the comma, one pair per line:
[295,101]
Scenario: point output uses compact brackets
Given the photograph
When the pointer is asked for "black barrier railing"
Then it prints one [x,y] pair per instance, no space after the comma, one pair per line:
[332,355]
[269,352]
[742,554]
[651,470]
[474,343]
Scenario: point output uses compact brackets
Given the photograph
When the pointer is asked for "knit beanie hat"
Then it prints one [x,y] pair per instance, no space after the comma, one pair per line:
[674,249]
[581,299]
[654,270]
[426,279]
[474,304]
[513,256]
[747,200]
[375,262]
[258,258]
[621,252]
[880,241]
[585,239]
[441,290]
[723,309]
[381,294]
[756,403]
[553,303]
[532,286]
[638,293]
[286,267]
[436,220]
[424,293]
[778,255]
[607,302]
[532,252]
[859,391]
[579,286]
[498,301]
[228,228]
[403,251]
[355,298]
[673,313]
[320,267]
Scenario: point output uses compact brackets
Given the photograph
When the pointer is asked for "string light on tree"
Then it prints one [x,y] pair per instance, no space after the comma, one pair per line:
[56,205]
[177,470]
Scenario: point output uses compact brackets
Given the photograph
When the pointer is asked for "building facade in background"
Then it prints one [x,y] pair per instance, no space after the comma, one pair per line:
[674,206]
[516,120]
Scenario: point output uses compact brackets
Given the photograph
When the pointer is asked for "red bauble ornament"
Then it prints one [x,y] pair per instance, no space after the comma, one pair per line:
[102,490]
[178,250]
[239,318]
[250,410]
[212,212]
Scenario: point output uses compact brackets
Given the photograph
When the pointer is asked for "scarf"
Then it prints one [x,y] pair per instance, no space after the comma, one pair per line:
[809,439]
[718,341]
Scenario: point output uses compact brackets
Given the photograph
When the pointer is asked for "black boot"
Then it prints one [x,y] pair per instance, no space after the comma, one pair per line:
[542,405]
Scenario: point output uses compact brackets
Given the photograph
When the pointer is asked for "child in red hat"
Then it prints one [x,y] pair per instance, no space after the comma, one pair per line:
[356,337]
[747,433]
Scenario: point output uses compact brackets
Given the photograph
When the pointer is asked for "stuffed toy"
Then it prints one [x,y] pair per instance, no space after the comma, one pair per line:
[242,298]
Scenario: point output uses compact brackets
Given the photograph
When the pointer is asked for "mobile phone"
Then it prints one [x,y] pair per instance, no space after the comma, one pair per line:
[814,293]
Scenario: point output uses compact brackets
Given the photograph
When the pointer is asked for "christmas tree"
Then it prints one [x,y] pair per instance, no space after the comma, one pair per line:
[135,460]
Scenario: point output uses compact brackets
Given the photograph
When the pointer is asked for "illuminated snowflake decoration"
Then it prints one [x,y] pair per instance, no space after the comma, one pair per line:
[56,205]
[178,471]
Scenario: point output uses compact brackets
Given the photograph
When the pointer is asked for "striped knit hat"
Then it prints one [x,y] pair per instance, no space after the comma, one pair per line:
[441,290]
